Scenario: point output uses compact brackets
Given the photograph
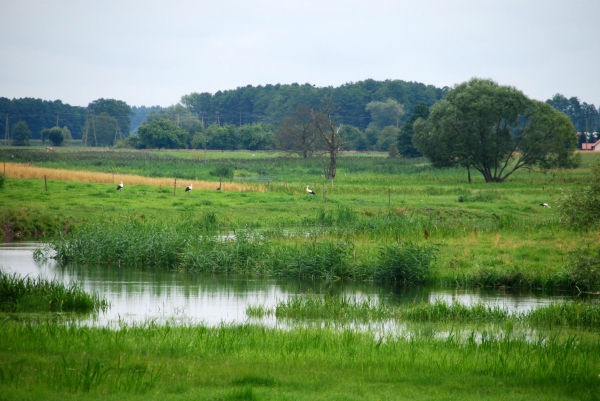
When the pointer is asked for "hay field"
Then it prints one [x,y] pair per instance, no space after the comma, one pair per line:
[20,170]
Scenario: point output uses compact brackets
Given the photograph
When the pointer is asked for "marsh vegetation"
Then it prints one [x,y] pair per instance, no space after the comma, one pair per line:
[383,221]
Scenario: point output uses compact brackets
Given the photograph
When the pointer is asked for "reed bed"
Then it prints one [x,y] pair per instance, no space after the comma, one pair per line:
[27,294]
[20,170]
[576,314]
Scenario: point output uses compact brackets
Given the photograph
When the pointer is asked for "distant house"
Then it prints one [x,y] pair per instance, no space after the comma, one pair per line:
[592,145]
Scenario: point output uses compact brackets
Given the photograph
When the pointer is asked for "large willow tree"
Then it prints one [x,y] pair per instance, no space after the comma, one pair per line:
[495,130]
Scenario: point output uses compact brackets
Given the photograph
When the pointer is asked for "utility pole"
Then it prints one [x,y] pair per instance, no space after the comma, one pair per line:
[85,131]
[7,132]
[218,119]
[57,119]
[94,128]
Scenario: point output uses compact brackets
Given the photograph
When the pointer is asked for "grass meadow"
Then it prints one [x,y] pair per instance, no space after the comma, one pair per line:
[381,220]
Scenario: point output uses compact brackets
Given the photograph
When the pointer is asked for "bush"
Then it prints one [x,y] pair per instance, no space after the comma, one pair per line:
[585,269]
[579,208]
[222,171]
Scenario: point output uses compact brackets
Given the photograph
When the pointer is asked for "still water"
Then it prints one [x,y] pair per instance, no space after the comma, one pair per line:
[139,296]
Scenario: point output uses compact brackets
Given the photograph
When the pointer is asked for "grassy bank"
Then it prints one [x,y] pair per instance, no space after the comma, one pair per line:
[53,361]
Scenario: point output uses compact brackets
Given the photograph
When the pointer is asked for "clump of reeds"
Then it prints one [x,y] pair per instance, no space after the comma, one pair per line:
[27,294]
[571,314]
[407,264]
[311,306]
[333,307]
[195,245]
[440,311]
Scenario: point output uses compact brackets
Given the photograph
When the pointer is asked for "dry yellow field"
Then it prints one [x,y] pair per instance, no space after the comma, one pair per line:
[19,170]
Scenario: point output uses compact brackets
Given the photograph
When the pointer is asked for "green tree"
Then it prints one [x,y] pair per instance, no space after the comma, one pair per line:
[387,136]
[386,113]
[222,137]
[405,136]
[20,134]
[162,134]
[354,138]
[117,109]
[55,135]
[256,137]
[178,115]
[67,135]
[102,130]
[496,130]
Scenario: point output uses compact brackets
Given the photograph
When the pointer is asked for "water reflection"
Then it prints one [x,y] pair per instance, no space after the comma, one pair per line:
[137,296]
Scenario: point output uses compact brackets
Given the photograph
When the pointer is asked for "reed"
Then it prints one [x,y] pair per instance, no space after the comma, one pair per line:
[581,315]
[576,314]
[27,294]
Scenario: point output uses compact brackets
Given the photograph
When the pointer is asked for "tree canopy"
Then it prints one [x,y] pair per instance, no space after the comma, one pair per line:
[21,134]
[117,109]
[496,130]
[405,136]
[162,134]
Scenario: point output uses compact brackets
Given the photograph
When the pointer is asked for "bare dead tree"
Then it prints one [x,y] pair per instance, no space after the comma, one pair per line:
[326,122]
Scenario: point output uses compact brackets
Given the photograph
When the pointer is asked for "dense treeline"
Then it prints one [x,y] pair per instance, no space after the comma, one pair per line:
[249,117]
[43,114]
[272,103]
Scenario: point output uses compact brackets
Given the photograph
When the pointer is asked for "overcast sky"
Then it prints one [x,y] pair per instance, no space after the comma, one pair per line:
[151,52]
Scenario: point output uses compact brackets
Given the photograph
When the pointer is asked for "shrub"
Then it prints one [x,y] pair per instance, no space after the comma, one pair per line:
[585,269]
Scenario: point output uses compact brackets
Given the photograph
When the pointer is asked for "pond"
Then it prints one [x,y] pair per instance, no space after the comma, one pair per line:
[139,296]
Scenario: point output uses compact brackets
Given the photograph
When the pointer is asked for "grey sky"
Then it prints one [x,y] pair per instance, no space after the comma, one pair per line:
[151,52]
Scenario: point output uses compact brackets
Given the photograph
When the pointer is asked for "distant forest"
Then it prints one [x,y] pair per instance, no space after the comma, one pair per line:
[266,106]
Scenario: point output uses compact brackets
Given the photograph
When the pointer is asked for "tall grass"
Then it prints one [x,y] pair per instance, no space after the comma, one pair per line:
[27,294]
[561,314]
[195,245]
[55,361]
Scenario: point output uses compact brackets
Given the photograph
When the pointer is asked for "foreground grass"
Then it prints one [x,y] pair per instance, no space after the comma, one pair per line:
[46,360]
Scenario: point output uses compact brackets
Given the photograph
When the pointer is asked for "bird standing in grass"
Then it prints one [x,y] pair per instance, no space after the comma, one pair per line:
[310,191]
[120,186]
[544,204]
[188,188]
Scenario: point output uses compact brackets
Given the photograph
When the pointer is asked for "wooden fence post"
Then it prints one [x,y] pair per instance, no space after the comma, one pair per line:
[175,187]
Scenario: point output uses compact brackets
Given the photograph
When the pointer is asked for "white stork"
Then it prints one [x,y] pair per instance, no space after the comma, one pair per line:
[188,188]
[120,186]
[544,204]
[310,191]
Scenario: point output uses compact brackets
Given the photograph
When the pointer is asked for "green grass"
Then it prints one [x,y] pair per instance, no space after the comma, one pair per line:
[578,314]
[55,361]
[26,294]
[437,229]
